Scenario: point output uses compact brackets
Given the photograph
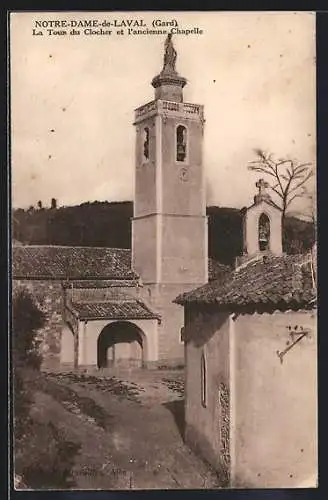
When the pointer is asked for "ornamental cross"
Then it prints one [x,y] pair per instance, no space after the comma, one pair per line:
[262,185]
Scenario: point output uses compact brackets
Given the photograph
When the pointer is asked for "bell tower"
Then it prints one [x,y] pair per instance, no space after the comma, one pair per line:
[169,223]
[169,227]
[262,225]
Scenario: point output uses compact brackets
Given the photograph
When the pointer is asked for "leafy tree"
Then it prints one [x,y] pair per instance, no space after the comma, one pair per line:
[298,235]
[225,238]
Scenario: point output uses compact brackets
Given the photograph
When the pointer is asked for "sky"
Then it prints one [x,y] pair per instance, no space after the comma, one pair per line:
[73,100]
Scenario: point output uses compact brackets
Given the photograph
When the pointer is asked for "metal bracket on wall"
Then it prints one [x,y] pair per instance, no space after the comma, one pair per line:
[294,333]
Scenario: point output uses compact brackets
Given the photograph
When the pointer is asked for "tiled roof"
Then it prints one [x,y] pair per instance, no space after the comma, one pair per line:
[60,262]
[270,282]
[81,263]
[216,270]
[120,309]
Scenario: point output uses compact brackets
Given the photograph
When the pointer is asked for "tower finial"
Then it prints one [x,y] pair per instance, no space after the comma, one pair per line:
[170,55]
[168,84]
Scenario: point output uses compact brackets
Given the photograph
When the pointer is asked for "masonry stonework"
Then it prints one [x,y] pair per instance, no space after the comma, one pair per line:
[48,296]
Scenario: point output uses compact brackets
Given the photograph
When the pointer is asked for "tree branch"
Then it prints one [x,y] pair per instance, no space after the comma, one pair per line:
[297,195]
[290,176]
[303,181]
[259,164]
[276,191]
[260,169]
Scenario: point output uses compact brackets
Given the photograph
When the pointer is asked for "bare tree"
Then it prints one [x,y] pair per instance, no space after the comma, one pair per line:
[288,177]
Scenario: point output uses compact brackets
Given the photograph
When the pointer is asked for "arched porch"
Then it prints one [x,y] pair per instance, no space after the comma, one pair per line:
[121,343]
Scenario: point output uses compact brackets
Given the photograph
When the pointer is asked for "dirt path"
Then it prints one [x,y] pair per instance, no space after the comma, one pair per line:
[128,426]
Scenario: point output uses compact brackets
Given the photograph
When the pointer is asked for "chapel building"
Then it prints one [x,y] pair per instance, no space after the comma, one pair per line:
[251,361]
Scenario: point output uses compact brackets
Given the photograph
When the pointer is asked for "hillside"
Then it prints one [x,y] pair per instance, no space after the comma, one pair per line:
[109,224]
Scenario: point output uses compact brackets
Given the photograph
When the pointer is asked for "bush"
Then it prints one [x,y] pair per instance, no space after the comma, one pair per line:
[43,458]
[27,320]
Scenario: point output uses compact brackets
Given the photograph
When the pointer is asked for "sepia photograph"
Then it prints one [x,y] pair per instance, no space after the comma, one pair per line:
[163,250]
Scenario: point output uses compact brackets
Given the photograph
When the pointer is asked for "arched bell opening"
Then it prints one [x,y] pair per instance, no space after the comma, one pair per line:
[264,232]
[181,143]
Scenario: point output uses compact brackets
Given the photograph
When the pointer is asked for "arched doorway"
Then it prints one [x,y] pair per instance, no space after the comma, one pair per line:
[121,344]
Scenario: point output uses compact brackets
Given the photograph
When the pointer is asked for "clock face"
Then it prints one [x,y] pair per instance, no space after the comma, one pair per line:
[184,174]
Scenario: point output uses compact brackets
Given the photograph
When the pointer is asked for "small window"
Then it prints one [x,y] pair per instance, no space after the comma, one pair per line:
[203,375]
[146,144]
[181,152]
[264,233]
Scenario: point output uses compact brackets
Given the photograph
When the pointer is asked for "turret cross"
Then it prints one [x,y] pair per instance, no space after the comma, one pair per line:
[262,185]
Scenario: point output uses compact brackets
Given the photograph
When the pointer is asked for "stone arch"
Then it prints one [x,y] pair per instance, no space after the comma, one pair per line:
[68,345]
[121,343]
[264,232]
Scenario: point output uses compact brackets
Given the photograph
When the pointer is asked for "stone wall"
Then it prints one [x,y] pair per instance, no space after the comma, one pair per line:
[48,296]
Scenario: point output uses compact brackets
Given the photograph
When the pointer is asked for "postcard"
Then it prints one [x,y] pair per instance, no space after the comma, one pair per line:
[164,273]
